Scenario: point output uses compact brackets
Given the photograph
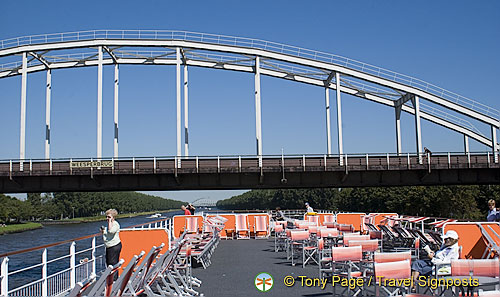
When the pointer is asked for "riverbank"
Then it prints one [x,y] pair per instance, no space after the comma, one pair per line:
[101,218]
[16,228]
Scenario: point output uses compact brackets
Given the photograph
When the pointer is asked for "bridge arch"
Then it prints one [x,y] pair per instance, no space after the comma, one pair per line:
[331,72]
[204,202]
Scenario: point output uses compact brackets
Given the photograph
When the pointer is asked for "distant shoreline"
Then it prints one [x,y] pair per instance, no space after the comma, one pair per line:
[17,228]
[99,218]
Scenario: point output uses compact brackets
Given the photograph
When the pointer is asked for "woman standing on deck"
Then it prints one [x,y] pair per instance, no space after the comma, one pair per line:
[111,237]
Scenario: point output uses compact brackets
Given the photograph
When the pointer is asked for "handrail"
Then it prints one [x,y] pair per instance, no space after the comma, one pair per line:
[68,241]
[254,44]
[183,158]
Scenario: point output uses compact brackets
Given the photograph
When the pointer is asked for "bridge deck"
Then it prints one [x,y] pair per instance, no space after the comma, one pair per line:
[247,173]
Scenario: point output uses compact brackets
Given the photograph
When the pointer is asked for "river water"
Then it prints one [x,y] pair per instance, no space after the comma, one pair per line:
[56,233]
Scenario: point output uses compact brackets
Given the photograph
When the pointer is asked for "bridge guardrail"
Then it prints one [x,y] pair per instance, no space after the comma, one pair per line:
[238,164]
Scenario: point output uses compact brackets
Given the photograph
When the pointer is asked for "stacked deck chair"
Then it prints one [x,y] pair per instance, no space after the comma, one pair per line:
[166,277]
[203,245]
[101,287]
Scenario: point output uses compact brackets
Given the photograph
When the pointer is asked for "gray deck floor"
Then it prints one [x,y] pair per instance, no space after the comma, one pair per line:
[236,263]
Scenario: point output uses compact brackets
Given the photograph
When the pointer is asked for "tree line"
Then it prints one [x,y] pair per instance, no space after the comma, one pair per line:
[459,202]
[78,204]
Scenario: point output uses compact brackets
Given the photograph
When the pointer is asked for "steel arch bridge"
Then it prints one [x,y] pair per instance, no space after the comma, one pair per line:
[180,48]
[204,202]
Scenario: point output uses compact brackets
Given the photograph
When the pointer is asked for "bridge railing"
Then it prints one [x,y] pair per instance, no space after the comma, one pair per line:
[255,44]
[238,164]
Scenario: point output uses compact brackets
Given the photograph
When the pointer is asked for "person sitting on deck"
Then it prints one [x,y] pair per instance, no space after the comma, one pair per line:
[493,213]
[186,211]
[448,251]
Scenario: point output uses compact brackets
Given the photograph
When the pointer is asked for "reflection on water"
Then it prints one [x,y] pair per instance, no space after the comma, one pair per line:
[51,234]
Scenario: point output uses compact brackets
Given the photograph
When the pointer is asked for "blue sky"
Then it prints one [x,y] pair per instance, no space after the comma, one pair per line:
[453,44]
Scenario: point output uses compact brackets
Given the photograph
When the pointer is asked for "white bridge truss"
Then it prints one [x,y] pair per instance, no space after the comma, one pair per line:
[204,202]
[180,48]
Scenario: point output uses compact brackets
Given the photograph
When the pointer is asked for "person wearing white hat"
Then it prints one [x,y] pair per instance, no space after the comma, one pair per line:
[309,208]
[448,251]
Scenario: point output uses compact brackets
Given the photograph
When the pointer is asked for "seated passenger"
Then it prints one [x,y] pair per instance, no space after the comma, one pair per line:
[493,213]
[448,251]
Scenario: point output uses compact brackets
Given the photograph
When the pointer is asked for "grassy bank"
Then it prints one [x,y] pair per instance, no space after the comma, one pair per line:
[14,228]
[124,215]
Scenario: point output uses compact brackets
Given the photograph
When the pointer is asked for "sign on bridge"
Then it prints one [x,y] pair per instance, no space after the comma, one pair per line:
[91,164]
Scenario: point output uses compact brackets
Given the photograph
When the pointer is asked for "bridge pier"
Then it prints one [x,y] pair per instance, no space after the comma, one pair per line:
[494,144]
[339,118]
[398,129]
[328,128]
[47,114]
[178,99]
[418,132]
[466,144]
[258,119]
[186,122]
[22,134]
[99,104]
[115,140]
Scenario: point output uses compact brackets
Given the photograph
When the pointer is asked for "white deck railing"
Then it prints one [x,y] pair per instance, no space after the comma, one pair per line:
[82,264]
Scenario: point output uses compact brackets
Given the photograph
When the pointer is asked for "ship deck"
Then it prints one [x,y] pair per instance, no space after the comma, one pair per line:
[236,263]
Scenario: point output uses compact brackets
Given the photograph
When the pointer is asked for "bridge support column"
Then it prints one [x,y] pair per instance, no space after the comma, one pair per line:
[22,134]
[328,132]
[186,122]
[339,118]
[494,144]
[398,129]
[47,114]
[99,105]
[466,143]
[117,83]
[258,120]
[178,99]
[416,104]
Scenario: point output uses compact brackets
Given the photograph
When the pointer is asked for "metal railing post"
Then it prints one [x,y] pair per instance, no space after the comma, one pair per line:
[449,160]
[44,274]
[94,270]
[4,273]
[169,234]
[72,265]
[154,165]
